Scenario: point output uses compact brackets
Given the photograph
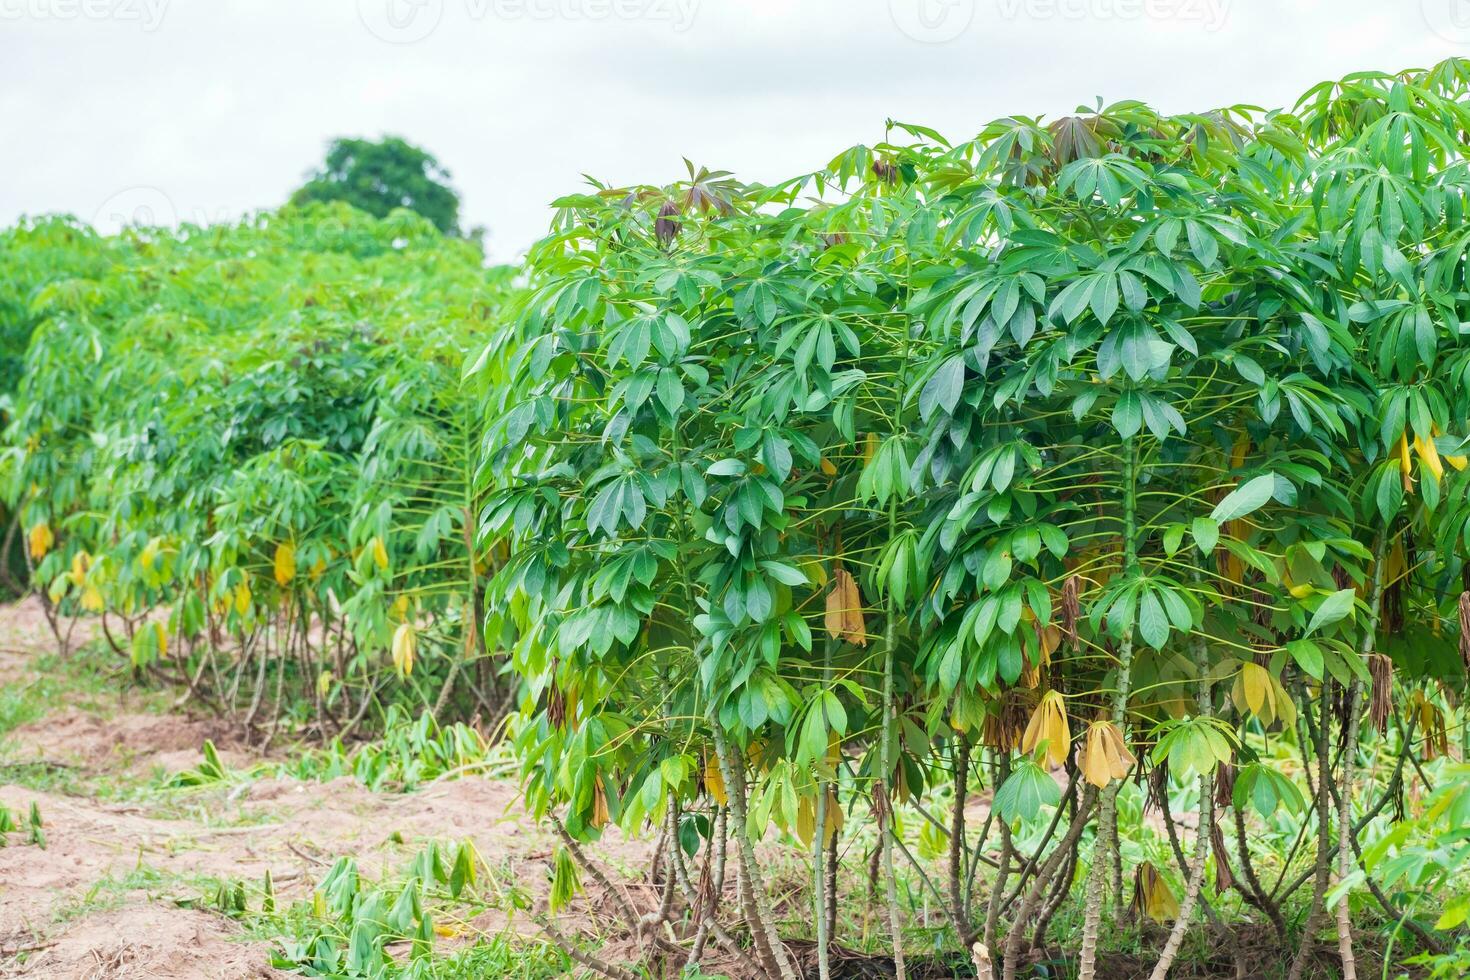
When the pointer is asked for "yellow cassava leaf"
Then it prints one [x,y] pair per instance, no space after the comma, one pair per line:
[1430,455]
[1105,755]
[815,571]
[1256,682]
[714,780]
[1398,563]
[599,804]
[1285,707]
[1030,675]
[285,563]
[80,562]
[806,820]
[1095,768]
[380,553]
[1458,462]
[1152,895]
[405,648]
[41,539]
[92,600]
[834,816]
[1048,725]
[1118,755]
[1239,450]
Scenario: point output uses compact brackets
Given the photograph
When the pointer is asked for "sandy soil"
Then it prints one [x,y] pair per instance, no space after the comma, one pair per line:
[49,905]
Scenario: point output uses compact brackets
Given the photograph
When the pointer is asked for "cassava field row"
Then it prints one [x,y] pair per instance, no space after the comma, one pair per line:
[1066,528]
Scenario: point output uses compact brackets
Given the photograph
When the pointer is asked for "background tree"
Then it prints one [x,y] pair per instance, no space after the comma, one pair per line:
[377,177]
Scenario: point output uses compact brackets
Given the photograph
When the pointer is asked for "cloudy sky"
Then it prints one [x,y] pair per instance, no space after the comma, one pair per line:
[203,110]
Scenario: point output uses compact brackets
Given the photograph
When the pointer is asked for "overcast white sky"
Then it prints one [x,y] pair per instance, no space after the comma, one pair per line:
[207,109]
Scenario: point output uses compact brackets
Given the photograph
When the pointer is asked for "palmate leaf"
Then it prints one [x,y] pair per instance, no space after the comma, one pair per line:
[1153,624]
[619,501]
[1128,415]
[825,719]
[1261,786]
[1110,177]
[1308,657]
[1195,745]
[886,474]
[1245,499]
[1136,348]
[1335,608]
[1028,788]
[1206,532]
[566,880]
[943,389]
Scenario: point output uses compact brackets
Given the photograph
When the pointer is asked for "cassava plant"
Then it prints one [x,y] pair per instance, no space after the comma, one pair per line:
[245,450]
[1123,450]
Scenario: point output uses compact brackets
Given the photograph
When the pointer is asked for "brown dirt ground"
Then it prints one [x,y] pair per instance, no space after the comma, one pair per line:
[51,927]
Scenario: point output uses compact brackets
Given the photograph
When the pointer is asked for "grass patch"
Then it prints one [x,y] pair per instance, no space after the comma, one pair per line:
[150,792]
[20,705]
[498,957]
[113,891]
[91,679]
